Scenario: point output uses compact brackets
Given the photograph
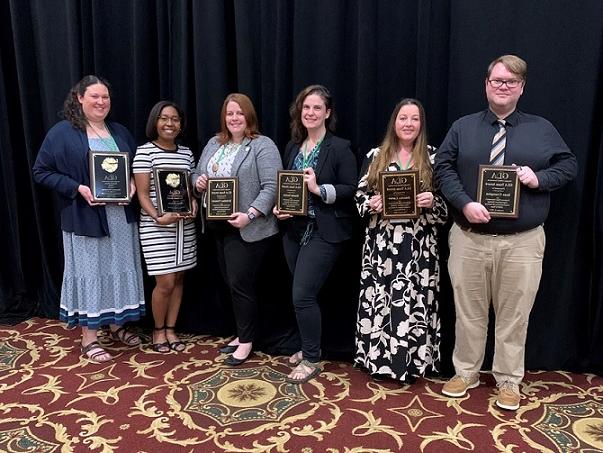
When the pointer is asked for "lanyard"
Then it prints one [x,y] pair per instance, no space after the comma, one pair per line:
[407,165]
[306,159]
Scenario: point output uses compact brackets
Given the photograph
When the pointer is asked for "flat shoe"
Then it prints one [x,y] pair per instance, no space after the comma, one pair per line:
[233,361]
[228,349]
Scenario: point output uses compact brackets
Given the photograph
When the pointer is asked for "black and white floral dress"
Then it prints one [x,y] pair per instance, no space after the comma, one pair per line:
[398,328]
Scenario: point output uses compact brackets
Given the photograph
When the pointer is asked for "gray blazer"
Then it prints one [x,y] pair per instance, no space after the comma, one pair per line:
[256,165]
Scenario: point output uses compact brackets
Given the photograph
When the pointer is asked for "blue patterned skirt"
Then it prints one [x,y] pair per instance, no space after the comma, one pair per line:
[102,281]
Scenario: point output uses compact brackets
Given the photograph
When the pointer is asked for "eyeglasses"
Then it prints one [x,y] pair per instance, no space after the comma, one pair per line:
[167,119]
[511,83]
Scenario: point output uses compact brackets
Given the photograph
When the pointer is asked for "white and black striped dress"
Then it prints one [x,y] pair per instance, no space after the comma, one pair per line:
[166,248]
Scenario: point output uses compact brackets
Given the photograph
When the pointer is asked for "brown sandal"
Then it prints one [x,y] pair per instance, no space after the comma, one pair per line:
[94,350]
[295,359]
[315,371]
[127,338]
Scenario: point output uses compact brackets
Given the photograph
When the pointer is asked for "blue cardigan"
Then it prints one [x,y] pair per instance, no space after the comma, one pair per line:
[62,165]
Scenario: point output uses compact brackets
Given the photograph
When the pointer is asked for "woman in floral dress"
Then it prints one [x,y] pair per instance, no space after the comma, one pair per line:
[398,328]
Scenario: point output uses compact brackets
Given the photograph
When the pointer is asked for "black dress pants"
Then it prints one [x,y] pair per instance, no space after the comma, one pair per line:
[310,265]
[240,263]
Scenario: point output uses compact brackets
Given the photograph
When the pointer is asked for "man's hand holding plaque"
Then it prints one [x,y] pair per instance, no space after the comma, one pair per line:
[498,190]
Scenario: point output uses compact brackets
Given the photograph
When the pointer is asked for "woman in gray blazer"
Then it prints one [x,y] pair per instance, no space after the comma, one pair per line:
[239,150]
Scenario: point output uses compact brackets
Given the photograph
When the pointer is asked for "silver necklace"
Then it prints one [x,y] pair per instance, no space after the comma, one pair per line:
[108,143]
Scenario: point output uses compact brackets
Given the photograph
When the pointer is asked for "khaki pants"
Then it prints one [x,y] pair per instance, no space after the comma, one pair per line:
[506,270]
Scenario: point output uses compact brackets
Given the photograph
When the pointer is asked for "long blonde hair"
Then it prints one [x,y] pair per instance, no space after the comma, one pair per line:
[390,145]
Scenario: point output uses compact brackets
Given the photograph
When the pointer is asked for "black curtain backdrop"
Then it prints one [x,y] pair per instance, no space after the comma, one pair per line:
[370,54]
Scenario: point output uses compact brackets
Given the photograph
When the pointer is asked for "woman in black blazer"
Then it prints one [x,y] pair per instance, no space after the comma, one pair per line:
[313,243]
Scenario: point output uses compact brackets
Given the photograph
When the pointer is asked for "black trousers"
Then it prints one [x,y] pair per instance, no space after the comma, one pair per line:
[310,265]
[240,264]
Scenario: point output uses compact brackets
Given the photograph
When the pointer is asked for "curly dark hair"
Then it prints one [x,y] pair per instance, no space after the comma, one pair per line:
[151,129]
[72,109]
[298,131]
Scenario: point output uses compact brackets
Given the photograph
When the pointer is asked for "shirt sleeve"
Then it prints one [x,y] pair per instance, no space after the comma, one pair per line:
[445,169]
[46,170]
[142,161]
[563,166]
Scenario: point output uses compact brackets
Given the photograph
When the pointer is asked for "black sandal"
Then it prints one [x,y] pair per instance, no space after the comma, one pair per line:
[127,338]
[178,345]
[160,347]
[87,351]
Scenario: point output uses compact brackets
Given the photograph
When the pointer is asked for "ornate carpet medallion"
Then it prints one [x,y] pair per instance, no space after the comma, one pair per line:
[238,395]
[10,355]
[574,427]
[415,413]
[22,440]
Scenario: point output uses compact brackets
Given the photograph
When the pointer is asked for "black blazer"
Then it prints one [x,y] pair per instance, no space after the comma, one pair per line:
[336,166]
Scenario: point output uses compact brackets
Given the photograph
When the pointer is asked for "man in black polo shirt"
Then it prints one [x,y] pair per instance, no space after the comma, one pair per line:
[492,258]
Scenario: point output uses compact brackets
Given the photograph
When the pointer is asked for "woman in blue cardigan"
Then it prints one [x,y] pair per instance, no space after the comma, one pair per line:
[102,280]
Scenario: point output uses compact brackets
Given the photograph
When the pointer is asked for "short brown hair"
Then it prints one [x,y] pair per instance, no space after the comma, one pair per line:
[513,64]
[251,131]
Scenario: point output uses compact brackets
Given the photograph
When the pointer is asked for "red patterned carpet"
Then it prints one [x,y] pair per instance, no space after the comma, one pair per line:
[54,400]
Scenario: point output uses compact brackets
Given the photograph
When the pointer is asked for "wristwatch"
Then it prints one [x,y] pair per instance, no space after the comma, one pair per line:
[250,216]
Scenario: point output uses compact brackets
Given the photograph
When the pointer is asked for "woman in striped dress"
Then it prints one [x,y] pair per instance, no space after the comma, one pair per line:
[169,243]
